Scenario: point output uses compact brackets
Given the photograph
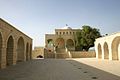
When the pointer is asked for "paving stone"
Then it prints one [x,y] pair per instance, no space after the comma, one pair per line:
[54,69]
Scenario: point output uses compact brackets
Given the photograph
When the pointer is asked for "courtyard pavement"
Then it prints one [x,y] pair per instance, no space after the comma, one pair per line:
[63,69]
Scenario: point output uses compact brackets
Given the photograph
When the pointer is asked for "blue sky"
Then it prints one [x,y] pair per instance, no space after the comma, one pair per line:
[38,17]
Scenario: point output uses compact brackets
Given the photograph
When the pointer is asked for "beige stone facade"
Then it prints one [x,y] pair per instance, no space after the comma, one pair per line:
[37,51]
[71,54]
[62,45]
[15,46]
[108,47]
[83,54]
[62,39]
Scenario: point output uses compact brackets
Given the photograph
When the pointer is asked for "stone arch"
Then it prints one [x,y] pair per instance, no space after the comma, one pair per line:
[115,44]
[50,43]
[119,51]
[69,43]
[106,51]
[99,51]
[20,49]
[60,43]
[30,51]
[27,51]
[1,42]
[9,51]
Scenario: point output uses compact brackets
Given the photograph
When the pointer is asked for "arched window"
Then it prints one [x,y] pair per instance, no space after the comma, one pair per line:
[115,47]
[106,51]
[9,51]
[20,49]
[99,51]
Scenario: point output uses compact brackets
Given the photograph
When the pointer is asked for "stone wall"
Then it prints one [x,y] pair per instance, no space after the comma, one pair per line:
[15,46]
[108,47]
[49,55]
[37,51]
[56,56]
[82,54]
[73,54]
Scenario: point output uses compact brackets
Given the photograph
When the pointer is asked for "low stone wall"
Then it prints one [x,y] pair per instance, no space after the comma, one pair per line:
[82,54]
[37,51]
[56,56]
[64,55]
[49,55]
[74,54]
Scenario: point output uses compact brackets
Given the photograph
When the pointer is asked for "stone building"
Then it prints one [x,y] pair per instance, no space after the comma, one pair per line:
[63,39]
[38,51]
[15,46]
[108,47]
[62,44]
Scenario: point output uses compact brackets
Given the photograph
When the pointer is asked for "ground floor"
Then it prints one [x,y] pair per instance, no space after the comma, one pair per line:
[63,69]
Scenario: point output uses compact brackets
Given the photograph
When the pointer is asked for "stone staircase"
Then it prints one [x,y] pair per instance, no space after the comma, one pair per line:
[61,53]
[60,50]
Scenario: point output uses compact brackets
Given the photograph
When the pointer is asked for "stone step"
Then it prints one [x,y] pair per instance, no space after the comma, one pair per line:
[60,50]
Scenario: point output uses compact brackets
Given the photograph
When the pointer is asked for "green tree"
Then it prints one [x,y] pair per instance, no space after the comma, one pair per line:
[86,37]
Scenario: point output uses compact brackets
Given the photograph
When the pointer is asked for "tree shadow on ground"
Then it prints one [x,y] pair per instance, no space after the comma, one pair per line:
[92,72]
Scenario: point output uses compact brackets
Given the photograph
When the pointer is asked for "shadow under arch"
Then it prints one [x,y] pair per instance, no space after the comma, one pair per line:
[115,44]
[70,44]
[20,49]
[27,51]
[106,51]
[30,51]
[99,51]
[9,51]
